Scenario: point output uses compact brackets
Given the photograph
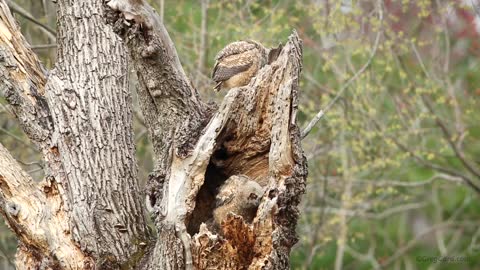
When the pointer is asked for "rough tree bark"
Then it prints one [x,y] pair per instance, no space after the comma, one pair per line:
[79,116]
[88,212]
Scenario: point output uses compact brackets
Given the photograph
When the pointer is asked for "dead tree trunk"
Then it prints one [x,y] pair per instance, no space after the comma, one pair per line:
[88,211]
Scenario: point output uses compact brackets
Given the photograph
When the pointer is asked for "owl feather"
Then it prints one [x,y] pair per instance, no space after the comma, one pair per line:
[237,63]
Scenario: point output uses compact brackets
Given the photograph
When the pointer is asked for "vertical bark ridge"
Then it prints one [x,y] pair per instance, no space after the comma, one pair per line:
[92,113]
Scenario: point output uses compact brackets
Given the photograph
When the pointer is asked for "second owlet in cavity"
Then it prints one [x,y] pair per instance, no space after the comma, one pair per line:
[237,63]
[239,195]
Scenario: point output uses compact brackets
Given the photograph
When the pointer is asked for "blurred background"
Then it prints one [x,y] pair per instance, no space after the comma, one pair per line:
[394,164]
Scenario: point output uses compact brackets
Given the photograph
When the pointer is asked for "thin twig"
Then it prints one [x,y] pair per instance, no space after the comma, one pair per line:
[313,248]
[404,249]
[35,170]
[6,257]
[345,205]
[203,50]
[162,10]
[446,134]
[467,180]
[424,162]
[362,213]
[43,46]
[20,140]
[387,183]
[363,257]
[22,12]
[30,163]
[322,112]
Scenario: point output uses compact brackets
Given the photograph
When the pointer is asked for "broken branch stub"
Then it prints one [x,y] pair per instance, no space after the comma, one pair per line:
[253,134]
[262,141]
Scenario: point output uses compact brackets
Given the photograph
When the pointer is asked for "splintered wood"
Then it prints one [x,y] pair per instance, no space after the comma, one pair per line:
[260,140]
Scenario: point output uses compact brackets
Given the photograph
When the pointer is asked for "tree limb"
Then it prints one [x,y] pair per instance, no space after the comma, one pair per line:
[37,217]
[428,164]
[23,81]
[255,128]
[409,245]
[69,118]
[93,137]
[448,137]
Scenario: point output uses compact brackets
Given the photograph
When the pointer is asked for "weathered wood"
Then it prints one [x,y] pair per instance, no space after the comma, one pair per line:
[40,220]
[36,215]
[23,80]
[261,134]
[80,118]
[253,133]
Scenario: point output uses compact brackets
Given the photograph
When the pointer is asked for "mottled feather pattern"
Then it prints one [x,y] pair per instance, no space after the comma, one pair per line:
[223,73]
[236,48]
[237,63]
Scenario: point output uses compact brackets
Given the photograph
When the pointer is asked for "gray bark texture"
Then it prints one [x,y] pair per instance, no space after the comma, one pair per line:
[89,212]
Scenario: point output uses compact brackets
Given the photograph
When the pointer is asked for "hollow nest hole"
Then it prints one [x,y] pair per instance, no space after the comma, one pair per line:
[222,165]
[237,153]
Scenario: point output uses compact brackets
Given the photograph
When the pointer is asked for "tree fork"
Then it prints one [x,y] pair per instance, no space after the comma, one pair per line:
[253,133]
[90,196]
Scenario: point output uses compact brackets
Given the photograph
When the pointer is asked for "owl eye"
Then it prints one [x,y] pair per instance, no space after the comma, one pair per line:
[252,196]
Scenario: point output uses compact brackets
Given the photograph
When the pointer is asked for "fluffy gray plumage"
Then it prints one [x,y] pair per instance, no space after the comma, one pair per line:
[238,195]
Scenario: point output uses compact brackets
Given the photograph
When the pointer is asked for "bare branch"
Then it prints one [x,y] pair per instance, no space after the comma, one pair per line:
[439,168]
[369,257]
[440,226]
[23,81]
[44,46]
[30,214]
[18,139]
[22,12]
[203,50]
[448,137]
[162,10]
[443,169]
[322,112]
[386,183]
[371,215]
[346,203]
[164,86]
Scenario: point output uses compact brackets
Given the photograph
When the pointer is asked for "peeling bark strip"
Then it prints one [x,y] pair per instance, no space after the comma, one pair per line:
[253,133]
